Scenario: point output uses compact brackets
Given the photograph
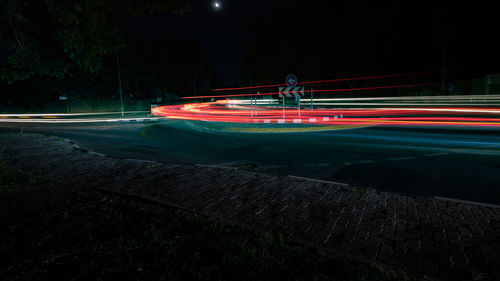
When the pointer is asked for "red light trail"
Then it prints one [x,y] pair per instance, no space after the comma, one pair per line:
[319,91]
[329,81]
[233,111]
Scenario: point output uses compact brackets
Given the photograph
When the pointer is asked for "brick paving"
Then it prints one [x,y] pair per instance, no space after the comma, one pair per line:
[440,239]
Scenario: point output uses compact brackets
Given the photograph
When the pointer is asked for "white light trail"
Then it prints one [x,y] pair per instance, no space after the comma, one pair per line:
[405,104]
[464,97]
[67,121]
[478,110]
[67,114]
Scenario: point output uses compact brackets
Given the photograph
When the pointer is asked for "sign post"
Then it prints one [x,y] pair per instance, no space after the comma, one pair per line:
[489,81]
[66,99]
[283,107]
[312,99]
[291,81]
[289,92]
[297,99]
[119,81]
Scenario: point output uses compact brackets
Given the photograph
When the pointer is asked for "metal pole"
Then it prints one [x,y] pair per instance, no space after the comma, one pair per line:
[299,106]
[255,104]
[283,107]
[256,108]
[119,81]
[251,105]
[312,102]
[251,99]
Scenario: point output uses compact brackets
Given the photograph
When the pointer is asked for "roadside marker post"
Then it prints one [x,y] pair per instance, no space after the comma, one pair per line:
[291,81]
[312,99]
[251,106]
[297,99]
[283,107]
[299,106]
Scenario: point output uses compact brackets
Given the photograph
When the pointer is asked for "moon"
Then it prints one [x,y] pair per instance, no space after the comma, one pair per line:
[217,5]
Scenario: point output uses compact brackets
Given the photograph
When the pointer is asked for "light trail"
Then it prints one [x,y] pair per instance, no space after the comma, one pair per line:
[318,91]
[82,120]
[460,97]
[67,114]
[405,104]
[233,111]
[55,118]
[328,81]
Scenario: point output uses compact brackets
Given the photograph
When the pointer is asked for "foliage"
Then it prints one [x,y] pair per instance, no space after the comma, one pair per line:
[54,38]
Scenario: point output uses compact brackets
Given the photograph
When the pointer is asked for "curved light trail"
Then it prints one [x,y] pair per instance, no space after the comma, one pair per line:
[238,111]
[69,118]
[329,81]
[318,91]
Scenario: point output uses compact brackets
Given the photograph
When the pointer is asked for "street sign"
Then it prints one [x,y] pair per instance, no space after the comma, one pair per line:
[289,92]
[489,79]
[65,97]
[291,80]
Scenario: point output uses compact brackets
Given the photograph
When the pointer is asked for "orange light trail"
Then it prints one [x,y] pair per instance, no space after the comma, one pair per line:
[229,111]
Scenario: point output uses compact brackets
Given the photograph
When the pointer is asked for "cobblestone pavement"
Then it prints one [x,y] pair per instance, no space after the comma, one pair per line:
[441,239]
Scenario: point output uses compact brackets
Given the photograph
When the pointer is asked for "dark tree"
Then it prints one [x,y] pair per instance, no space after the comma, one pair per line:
[57,37]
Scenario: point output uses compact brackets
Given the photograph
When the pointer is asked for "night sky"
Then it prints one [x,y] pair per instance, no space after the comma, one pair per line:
[220,32]
[250,42]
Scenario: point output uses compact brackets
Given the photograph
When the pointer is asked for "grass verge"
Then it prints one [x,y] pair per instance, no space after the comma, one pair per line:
[66,232]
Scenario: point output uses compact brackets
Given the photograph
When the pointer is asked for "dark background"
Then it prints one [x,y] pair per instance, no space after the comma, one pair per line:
[259,42]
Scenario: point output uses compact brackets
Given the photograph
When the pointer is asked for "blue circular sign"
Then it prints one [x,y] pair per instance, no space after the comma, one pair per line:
[291,80]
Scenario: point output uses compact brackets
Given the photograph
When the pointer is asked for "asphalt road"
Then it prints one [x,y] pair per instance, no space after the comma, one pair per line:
[460,164]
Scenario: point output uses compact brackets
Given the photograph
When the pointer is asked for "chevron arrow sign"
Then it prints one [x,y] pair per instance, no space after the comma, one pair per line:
[288,92]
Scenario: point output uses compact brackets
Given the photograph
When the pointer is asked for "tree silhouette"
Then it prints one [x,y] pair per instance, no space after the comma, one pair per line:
[54,38]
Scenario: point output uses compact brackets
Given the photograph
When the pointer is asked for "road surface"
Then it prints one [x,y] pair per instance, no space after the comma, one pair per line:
[461,164]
